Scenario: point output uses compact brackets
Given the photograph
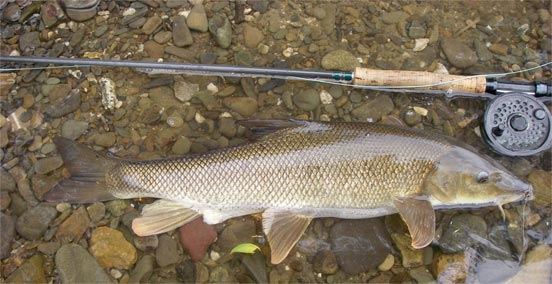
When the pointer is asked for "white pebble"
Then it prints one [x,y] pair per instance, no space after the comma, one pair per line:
[212,88]
[61,207]
[324,117]
[184,13]
[441,69]
[214,255]
[129,11]
[116,273]
[420,44]
[248,18]
[225,114]
[288,52]
[325,97]
[199,118]
[420,110]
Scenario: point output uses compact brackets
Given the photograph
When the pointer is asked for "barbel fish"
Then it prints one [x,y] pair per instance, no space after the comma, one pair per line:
[297,171]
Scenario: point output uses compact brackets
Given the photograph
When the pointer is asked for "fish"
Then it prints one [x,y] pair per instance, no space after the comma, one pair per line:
[293,171]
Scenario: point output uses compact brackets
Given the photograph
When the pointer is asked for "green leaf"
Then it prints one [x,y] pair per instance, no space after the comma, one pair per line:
[246,248]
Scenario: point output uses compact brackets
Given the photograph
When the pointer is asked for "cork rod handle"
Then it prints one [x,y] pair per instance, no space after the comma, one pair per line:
[373,77]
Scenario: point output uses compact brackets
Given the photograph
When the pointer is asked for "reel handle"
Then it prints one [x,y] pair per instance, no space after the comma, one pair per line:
[374,77]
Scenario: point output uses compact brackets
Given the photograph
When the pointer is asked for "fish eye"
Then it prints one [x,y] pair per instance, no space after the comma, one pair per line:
[482,177]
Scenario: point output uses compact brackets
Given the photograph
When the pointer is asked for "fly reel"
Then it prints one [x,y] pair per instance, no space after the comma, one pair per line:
[517,124]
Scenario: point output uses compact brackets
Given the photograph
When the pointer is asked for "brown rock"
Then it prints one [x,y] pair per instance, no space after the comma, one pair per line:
[449,268]
[111,249]
[500,49]
[252,36]
[72,229]
[154,49]
[196,237]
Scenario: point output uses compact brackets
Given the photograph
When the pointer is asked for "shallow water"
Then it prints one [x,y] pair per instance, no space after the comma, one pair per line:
[173,115]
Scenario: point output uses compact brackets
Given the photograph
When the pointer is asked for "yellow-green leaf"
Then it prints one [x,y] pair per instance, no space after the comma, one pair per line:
[246,248]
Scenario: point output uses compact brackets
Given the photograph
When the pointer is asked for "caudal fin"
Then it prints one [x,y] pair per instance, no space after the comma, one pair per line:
[88,172]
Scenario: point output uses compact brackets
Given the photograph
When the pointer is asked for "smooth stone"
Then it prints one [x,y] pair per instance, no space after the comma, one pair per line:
[12,13]
[5,200]
[42,184]
[154,49]
[73,129]
[138,23]
[221,274]
[49,12]
[146,243]
[107,139]
[245,106]
[56,92]
[184,53]
[256,267]
[30,40]
[7,234]
[151,24]
[227,127]
[421,275]
[96,212]
[163,97]
[307,100]
[411,257]
[185,91]
[542,183]
[259,5]
[197,19]
[75,265]
[360,245]
[416,29]
[459,54]
[32,271]
[101,30]
[500,49]
[236,232]
[411,118]
[80,4]
[35,221]
[49,248]
[339,60]
[162,37]
[462,231]
[208,58]
[65,106]
[482,51]
[374,109]
[196,237]
[182,146]
[166,252]
[7,183]
[252,36]
[111,249]
[325,262]
[181,33]
[81,14]
[221,29]
[73,228]
[143,270]
[116,207]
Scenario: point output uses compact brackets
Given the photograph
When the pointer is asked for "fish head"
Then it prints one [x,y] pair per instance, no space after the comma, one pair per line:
[463,178]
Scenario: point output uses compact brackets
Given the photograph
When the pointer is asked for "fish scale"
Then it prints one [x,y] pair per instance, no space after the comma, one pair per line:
[357,165]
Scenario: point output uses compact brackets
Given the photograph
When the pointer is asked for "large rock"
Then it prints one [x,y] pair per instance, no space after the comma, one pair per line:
[32,271]
[111,249]
[463,231]
[73,129]
[181,33]
[459,54]
[34,222]
[243,105]
[197,19]
[307,100]
[220,27]
[339,60]
[75,265]
[252,36]
[360,245]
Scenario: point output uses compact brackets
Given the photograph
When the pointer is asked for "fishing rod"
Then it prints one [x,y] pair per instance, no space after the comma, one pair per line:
[516,123]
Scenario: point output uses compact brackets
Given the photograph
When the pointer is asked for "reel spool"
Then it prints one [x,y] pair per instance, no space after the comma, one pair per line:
[517,124]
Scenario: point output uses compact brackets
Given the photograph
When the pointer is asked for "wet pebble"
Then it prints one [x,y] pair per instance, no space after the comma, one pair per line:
[185,91]
[256,267]
[162,37]
[7,183]
[7,234]
[105,139]
[374,109]
[416,29]
[5,200]
[11,13]
[166,252]
[411,257]
[252,36]
[394,17]
[459,54]
[221,274]
[96,211]
[221,29]
[245,106]
[421,275]
[65,106]
[42,184]
[49,248]
[500,49]
[307,100]
[181,33]
[461,232]
[196,237]
[34,222]
[182,146]
[339,60]
[146,243]
[227,127]
[449,268]
[151,24]
[197,19]
[116,207]
[411,117]
[73,129]
[154,49]
[325,262]
[74,226]
[360,245]
[32,271]
[75,265]
[111,249]
[143,270]
[238,231]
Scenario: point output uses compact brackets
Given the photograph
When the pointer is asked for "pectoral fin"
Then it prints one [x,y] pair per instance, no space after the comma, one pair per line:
[162,216]
[283,229]
[419,216]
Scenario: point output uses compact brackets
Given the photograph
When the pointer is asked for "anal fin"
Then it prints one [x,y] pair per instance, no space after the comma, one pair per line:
[419,216]
[283,229]
[162,216]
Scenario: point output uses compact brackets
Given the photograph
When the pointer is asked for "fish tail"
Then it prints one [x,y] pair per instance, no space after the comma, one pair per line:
[88,171]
